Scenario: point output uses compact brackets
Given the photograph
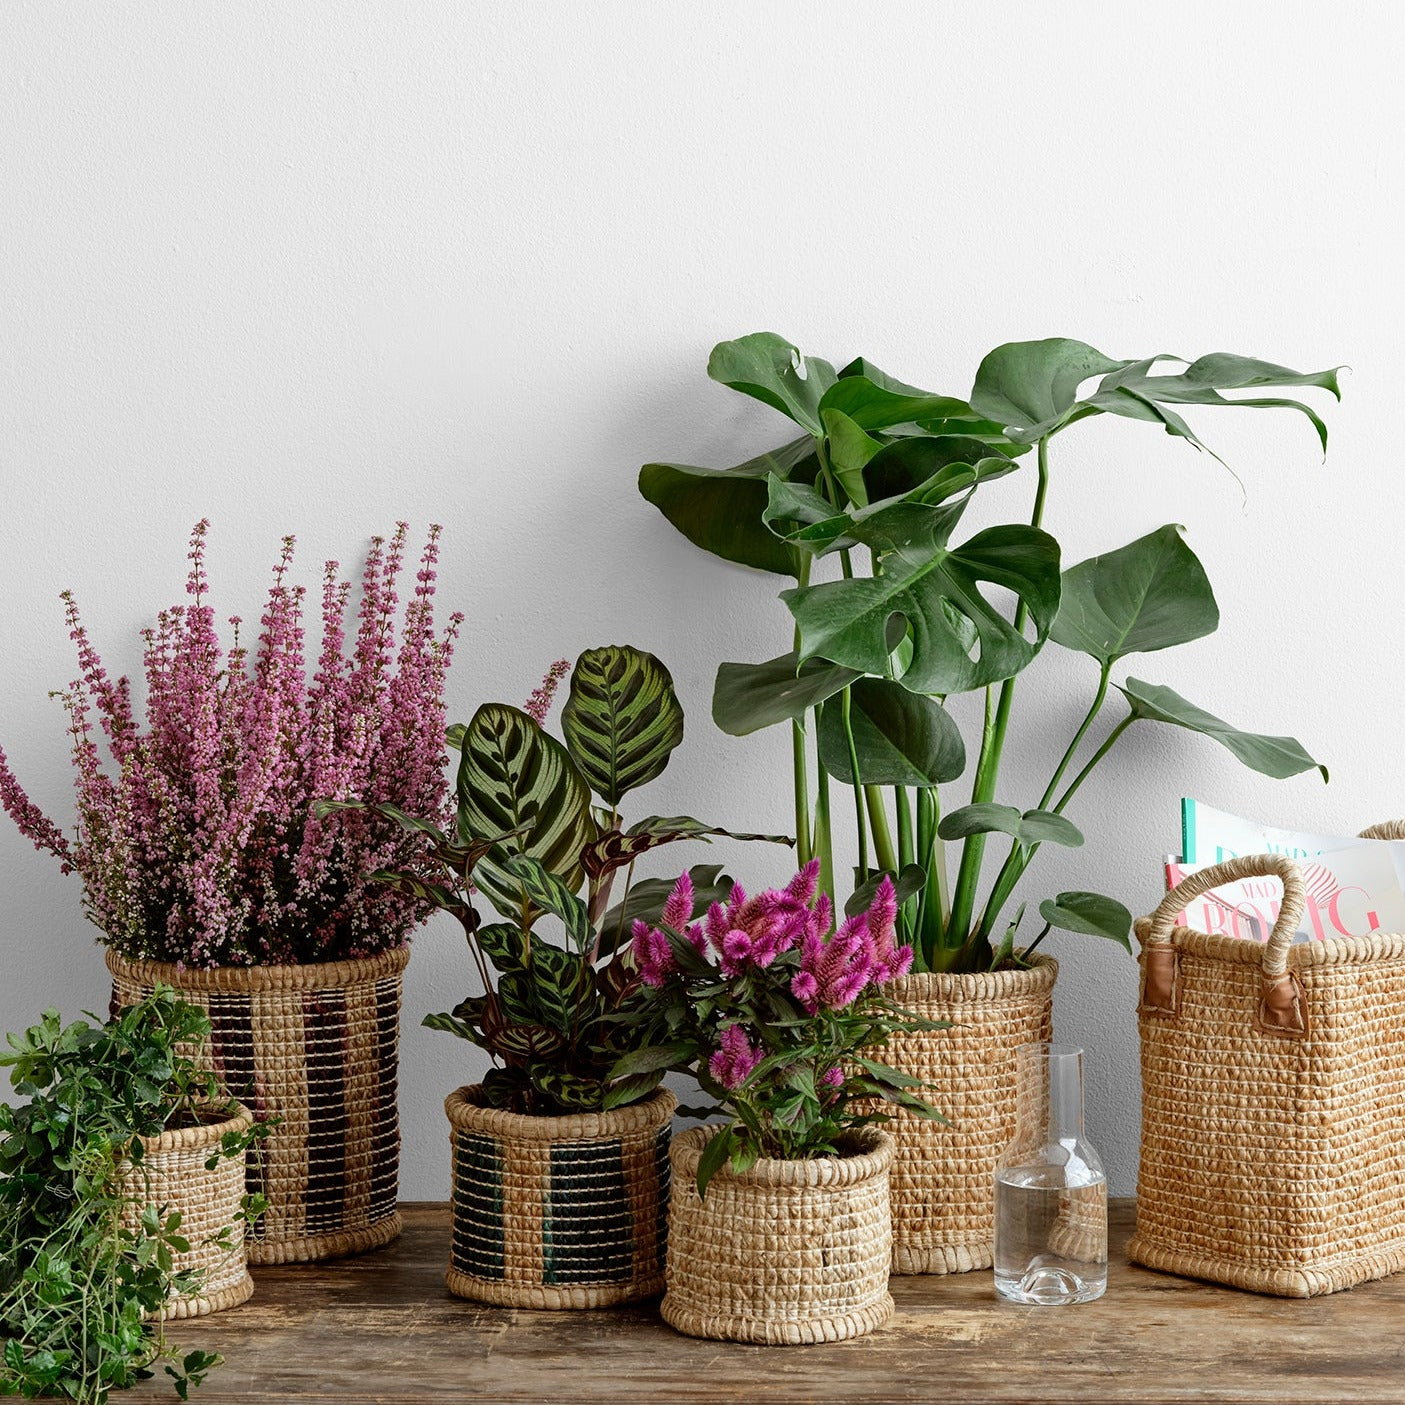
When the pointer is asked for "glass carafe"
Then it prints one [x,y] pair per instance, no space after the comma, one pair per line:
[1050,1190]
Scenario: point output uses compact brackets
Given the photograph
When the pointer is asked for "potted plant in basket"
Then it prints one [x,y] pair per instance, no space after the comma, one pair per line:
[122,1200]
[779,1222]
[204,867]
[559,1163]
[878,481]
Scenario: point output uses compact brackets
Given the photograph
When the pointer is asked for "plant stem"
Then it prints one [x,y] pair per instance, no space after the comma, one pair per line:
[1077,738]
[824,845]
[993,743]
[804,848]
[883,853]
[904,810]
[845,712]
[1093,761]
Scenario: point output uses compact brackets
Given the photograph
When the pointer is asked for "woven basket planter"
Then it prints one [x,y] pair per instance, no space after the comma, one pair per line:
[558,1212]
[943,1187]
[315,1046]
[1273,1100]
[172,1176]
[788,1252]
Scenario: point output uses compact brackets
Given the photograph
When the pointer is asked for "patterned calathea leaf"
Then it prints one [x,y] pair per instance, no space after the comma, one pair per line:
[622,719]
[615,849]
[547,892]
[513,778]
[510,1028]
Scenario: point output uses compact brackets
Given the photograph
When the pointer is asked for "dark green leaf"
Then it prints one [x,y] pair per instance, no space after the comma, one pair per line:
[850,449]
[770,369]
[1090,913]
[1278,757]
[1031,387]
[901,737]
[655,1059]
[622,719]
[1032,827]
[614,850]
[1152,594]
[714,1156]
[905,884]
[750,696]
[646,898]
[546,891]
[870,405]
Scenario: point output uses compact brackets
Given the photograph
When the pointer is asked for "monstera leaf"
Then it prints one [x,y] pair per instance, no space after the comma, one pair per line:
[1089,913]
[514,778]
[770,369]
[960,640]
[1028,829]
[750,696]
[622,719]
[1031,388]
[719,509]
[1279,757]
[901,737]
[1152,594]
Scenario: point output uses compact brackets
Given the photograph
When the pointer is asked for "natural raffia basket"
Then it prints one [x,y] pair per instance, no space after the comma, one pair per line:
[172,1176]
[558,1212]
[787,1252]
[943,1187]
[1273,1099]
[314,1046]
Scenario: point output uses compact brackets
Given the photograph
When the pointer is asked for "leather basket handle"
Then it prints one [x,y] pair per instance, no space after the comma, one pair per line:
[1283,1008]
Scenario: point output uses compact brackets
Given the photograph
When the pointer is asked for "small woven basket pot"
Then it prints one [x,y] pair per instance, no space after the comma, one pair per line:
[316,1047]
[1273,1098]
[172,1177]
[785,1253]
[943,1185]
[558,1212]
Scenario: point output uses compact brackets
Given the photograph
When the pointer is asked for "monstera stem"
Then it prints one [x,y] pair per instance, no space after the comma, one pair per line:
[860,819]
[804,841]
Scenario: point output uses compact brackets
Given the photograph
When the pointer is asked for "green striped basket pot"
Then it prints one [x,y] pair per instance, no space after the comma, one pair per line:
[315,1047]
[558,1212]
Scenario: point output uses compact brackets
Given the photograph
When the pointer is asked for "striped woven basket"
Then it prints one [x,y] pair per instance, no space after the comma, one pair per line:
[1273,1099]
[173,1177]
[316,1047]
[786,1253]
[943,1185]
[558,1212]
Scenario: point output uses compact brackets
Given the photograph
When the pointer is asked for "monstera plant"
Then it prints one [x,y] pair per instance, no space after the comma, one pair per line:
[554,1010]
[878,480]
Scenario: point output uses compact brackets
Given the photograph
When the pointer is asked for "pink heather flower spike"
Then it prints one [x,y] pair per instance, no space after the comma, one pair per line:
[539,704]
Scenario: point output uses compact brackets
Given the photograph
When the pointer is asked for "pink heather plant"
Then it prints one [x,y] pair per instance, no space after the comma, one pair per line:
[776,1014]
[197,843]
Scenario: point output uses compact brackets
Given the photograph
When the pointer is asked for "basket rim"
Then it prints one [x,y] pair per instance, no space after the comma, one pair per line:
[1333,951]
[467,1113]
[206,1134]
[873,1158]
[311,975]
[1035,979]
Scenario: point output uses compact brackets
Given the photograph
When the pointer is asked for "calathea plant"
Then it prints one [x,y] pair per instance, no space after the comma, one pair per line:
[528,839]
[878,480]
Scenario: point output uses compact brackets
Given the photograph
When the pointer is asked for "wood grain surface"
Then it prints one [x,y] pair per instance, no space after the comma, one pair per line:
[381,1327]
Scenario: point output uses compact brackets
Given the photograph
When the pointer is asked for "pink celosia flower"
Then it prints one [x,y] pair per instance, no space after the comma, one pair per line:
[735,1060]
[835,970]
[653,957]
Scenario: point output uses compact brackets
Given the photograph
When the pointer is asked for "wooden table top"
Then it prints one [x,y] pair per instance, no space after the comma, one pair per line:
[382,1328]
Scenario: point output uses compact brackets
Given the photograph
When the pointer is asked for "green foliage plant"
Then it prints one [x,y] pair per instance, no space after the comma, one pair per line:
[539,837]
[86,1263]
[879,479]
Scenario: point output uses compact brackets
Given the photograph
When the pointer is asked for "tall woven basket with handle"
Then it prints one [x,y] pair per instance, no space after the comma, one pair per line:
[1273,1098]
[315,1047]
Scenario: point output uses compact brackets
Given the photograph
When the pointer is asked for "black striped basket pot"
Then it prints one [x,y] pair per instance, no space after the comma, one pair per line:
[558,1212]
[315,1047]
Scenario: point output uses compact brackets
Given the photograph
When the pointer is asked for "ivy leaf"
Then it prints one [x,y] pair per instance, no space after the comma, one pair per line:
[1032,827]
[1279,757]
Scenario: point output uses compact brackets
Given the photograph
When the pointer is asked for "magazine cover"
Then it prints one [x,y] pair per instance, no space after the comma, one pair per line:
[1353,886]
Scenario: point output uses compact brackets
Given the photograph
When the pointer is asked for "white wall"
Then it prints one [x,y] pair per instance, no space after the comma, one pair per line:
[315,267]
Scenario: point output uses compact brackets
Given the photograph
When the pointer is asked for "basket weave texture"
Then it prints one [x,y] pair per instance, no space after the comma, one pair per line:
[943,1187]
[788,1252]
[315,1046]
[558,1212]
[172,1177]
[1273,1100]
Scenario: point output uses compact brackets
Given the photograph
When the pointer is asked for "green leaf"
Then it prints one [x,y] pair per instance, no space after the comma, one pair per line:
[750,696]
[905,884]
[939,465]
[720,509]
[656,1058]
[622,719]
[546,891]
[901,737]
[1152,594]
[513,777]
[614,850]
[1032,827]
[1031,387]
[960,640]
[770,369]
[850,450]
[1279,757]
[432,894]
[871,403]
[714,1156]
[1090,913]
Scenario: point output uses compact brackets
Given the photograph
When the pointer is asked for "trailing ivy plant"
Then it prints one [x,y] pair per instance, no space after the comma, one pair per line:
[556,997]
[85,1261]
[880,478]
